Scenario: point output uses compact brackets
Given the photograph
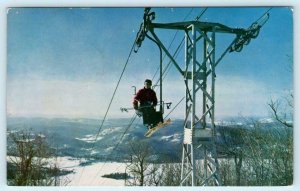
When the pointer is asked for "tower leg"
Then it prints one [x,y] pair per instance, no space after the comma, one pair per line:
[199,136]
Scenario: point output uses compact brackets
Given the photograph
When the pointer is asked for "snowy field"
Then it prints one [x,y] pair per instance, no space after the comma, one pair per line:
[90,175]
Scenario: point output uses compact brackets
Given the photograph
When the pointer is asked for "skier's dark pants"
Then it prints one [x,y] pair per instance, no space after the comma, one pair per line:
[150,116]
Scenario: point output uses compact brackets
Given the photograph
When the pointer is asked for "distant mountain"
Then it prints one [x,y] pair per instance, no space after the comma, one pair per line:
[84,138]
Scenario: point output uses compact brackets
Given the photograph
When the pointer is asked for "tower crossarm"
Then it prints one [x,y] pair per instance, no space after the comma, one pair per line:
[203,26]
[243,36]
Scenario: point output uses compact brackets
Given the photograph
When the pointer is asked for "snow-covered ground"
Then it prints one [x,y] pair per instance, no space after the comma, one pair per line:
[91,175]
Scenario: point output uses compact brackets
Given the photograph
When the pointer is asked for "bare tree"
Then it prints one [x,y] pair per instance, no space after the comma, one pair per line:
[171,174]
[140,168]
[268,154]
[29,163]
[257,154]
[282,112]
[281,117]
[232,147]
[155,175]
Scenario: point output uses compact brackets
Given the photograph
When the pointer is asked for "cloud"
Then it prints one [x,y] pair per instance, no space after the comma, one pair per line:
[237,95]
[57,98]
[234,95]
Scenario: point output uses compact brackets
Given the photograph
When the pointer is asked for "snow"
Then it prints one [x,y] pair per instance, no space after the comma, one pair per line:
[266,120]
[66,162]
[12,131]
[90,138]
[93,152]
[166,137]
[227,123]
[91,175]
[109,149]
[42,135]
[111,130]
[172,138]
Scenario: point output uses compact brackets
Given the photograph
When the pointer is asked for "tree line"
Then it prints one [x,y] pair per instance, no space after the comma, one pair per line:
[254,154]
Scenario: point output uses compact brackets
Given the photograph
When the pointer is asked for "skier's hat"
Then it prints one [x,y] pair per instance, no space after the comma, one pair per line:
[148,81]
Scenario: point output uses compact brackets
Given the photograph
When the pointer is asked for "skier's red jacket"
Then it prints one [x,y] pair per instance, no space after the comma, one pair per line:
[145,95]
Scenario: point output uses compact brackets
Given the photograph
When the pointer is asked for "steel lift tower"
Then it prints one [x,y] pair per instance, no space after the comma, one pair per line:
[199,76]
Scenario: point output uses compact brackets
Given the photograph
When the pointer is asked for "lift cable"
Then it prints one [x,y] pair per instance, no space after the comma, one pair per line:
[266,12]
[111,100]
[114,93]
[136,124]
[116,146]
[119,166]
[179,48]
[175,35]
[260,22]
[174,107]
[251,33]
[121,141]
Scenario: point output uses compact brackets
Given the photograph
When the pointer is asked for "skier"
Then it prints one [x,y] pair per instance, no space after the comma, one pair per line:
[144,103]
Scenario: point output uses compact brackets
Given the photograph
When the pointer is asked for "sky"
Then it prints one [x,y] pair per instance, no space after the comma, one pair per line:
[66,62]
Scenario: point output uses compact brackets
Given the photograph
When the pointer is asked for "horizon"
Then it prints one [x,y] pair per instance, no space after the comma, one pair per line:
[222,119]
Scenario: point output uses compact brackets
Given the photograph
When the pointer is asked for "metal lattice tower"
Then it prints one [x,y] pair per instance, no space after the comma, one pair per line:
[199,152]
[196,134]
